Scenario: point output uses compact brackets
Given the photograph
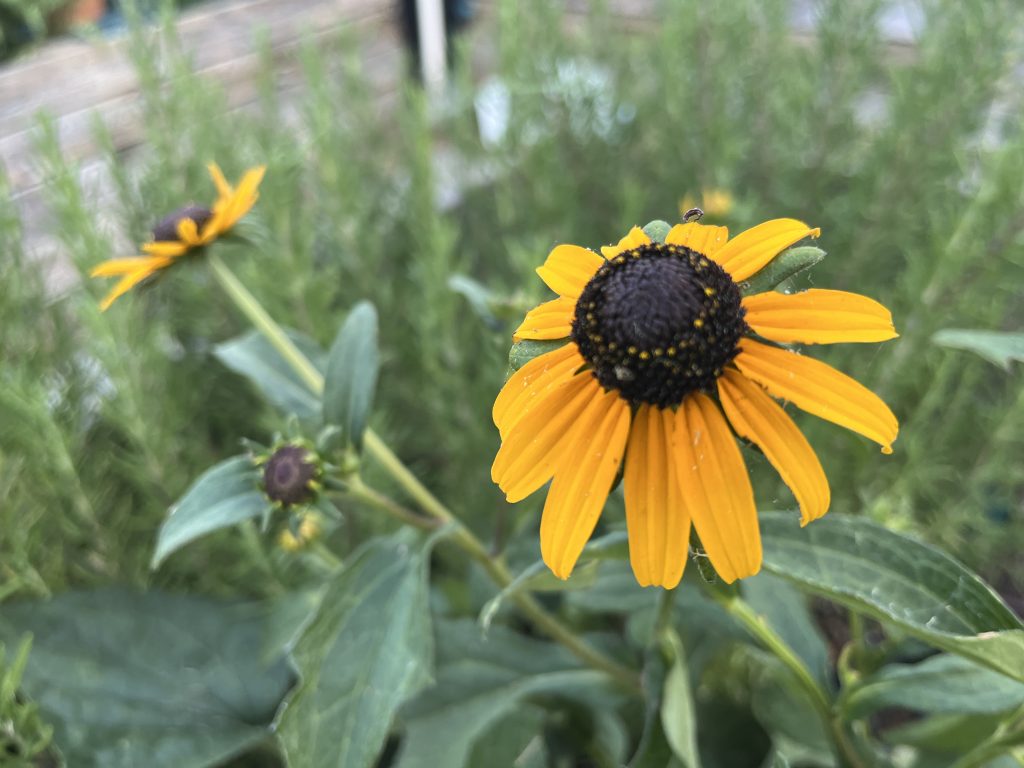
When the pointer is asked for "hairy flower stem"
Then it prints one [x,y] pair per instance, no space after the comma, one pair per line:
[429,503]
[740,610]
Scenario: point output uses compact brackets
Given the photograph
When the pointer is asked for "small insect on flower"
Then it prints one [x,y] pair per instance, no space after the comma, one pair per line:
[188,228]
[663,353]
[716,203]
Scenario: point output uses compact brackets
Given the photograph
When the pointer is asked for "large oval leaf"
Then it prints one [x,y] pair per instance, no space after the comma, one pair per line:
[368,649]
[897,579]
[153,679]
[224,495]
[352,369]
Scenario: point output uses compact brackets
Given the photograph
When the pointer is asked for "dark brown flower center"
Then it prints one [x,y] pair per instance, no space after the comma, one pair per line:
[659,322]
[288,476]
[167,227]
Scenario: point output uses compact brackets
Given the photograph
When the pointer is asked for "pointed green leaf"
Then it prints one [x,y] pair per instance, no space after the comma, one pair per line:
[224,495]
[352,373]
[781,268]
[943,683]
[368,649]
[896,579]
[678,716]
[252,356]
[153,679]
[994,346]
[479,296]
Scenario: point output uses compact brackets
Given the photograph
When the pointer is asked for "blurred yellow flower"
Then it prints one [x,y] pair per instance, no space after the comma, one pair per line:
[189,227]
[662,354]
[715,203]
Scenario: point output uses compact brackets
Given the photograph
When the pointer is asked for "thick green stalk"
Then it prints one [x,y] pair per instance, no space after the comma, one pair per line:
[430,504]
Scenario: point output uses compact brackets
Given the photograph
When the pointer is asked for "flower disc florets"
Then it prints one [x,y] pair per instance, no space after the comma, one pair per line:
[659,322]
[167,227]
[291,475]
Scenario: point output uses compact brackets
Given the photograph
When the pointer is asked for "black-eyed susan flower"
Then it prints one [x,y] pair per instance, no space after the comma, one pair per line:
[190,227]
[663,354]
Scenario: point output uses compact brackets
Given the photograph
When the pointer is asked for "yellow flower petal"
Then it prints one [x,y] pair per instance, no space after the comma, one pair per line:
[170,248]
[761,420]
[702,238]
[188,233]
[526,386]
[582,482]
[656,518]
[716,488]
[634,239]
[224,190]
[113,267]
[818,316]
[751,250]
[819,389]
[551,320]
[244,198]
[539,442]
[131,279]
[568,269]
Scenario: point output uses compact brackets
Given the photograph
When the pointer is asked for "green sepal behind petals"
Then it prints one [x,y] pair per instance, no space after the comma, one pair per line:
[784,266]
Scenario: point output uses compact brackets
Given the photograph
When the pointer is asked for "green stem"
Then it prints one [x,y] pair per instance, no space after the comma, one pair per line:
[383,454]
[740,610]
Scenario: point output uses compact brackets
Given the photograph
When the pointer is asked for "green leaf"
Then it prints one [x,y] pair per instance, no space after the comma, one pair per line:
[995,346]
[518,733]
[479,297]
[949,734]
[899,580]
[224,495]
[524,351]
[941,684]
[367,650]
[153,679]
[481,681]
[252,356]
[781,268]
[352,373]
[678,718]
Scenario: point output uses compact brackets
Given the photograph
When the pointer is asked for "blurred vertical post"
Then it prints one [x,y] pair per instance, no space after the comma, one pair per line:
[431,35]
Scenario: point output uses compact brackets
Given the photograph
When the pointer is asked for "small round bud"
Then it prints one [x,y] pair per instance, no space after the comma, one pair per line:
[290,475]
